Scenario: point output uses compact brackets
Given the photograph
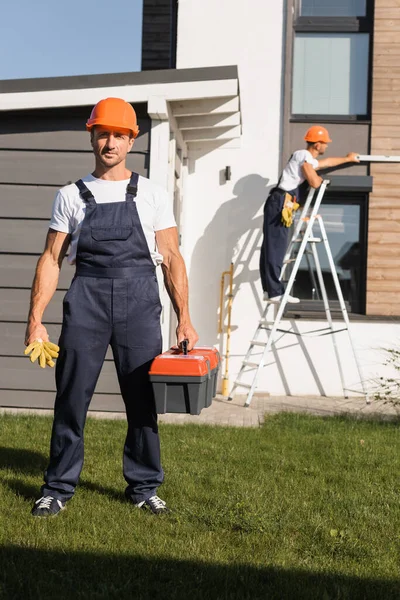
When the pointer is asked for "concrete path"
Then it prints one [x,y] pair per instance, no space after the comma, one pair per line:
[234,413]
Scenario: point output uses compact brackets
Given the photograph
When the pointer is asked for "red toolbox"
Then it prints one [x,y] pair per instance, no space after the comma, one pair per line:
[183,383]
[214,357]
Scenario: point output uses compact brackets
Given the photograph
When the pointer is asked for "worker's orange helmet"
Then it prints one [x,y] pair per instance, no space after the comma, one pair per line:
[114,112]
[317,133]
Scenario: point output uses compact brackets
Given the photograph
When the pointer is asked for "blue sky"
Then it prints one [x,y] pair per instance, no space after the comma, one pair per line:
[50,38]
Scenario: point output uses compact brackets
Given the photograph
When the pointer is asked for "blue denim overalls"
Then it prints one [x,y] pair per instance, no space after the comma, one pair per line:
[113,300]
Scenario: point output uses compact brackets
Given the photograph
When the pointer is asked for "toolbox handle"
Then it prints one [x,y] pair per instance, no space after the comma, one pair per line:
[184,346]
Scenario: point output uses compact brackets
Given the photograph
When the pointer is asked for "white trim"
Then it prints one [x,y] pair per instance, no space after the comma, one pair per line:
[211,133]
[157,108]
[206,106]
[205,121]
[176,91]
[176,131]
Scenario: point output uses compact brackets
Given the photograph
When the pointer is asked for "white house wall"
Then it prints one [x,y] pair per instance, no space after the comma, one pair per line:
[221,220]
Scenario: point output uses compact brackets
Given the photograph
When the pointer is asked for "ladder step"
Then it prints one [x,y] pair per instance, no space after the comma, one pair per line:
[245,385]
[265,324]
[311,239]
[249,363]
[256,343]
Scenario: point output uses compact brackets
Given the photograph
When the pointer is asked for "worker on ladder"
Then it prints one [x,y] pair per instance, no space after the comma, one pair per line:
[281,202]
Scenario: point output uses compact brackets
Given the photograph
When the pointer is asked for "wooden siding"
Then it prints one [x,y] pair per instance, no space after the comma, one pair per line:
[39,152]
[383,271]
[159,34]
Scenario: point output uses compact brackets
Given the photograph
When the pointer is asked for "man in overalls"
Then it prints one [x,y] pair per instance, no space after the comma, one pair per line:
[119,226]
[301,166]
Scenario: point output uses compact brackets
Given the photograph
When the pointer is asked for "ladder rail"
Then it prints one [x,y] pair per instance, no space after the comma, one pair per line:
[328,313]
[342,306]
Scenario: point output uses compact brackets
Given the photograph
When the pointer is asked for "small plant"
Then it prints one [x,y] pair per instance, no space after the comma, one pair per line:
[389,387]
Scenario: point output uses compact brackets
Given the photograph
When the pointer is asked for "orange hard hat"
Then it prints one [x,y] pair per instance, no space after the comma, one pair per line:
[317,133]
[114,112]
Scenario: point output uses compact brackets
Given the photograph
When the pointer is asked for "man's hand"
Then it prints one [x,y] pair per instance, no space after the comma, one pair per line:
[35,331]
[186,331]
[353,157]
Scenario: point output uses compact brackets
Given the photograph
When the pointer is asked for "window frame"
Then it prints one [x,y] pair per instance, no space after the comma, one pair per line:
[335,25]
[315,308]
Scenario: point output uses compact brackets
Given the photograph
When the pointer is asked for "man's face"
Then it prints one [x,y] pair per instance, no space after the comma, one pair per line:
[321,147]
[111,146]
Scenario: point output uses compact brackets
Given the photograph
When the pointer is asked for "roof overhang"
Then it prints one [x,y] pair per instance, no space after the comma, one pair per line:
[202,104]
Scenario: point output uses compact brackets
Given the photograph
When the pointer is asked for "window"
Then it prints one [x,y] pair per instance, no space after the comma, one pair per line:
[333,8]
[331,58]
[345,223]
[330,74]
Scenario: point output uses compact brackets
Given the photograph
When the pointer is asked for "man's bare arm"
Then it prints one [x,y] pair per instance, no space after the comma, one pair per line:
[176,282]
[311,175]
[326,163]
[45,283]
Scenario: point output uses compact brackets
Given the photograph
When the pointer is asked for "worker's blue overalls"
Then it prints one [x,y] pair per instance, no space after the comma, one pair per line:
[113,299]
[274,243]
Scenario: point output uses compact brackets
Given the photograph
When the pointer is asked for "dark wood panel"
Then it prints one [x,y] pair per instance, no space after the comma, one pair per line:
[65,140]
[14,306]
[34,399]
[55,168]
[23,236]
[28,201]
[58,128]
[18,271]
[12,337]
[18,373]
[159,27]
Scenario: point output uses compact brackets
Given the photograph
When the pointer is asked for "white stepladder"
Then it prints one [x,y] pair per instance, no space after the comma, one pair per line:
[303,228]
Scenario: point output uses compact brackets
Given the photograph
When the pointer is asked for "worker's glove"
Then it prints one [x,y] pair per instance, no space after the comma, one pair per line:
[289,207]
[43,352]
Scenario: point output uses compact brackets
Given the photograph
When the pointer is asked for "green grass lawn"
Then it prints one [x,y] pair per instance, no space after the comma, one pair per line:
[304,507]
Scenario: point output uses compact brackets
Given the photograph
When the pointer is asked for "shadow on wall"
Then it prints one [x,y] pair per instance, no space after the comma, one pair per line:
[220,245]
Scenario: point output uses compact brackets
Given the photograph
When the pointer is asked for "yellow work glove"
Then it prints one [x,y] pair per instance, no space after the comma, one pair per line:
[289,207]
[287,217]
[43,352]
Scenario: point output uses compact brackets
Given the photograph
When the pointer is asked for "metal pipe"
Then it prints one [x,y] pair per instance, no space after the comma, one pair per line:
[225,380]
[221,300]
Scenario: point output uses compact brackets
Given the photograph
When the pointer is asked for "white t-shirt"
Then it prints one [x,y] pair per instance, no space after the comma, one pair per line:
[292,175]
[152,202]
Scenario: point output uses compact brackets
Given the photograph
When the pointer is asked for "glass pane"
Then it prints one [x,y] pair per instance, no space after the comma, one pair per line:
[333,8]
[342,224]
[330,74]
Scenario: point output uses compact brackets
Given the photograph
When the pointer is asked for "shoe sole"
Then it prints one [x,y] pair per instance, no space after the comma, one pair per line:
[49,515]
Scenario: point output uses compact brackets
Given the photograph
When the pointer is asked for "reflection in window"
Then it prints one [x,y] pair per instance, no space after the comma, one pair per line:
[330,74]
[333,8]
[342,224]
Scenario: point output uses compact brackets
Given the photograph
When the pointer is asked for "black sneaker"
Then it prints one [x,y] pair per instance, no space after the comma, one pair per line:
[154,505]
[47,506]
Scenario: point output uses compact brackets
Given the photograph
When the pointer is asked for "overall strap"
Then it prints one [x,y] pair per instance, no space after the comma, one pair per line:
[132,187]
[84,192]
